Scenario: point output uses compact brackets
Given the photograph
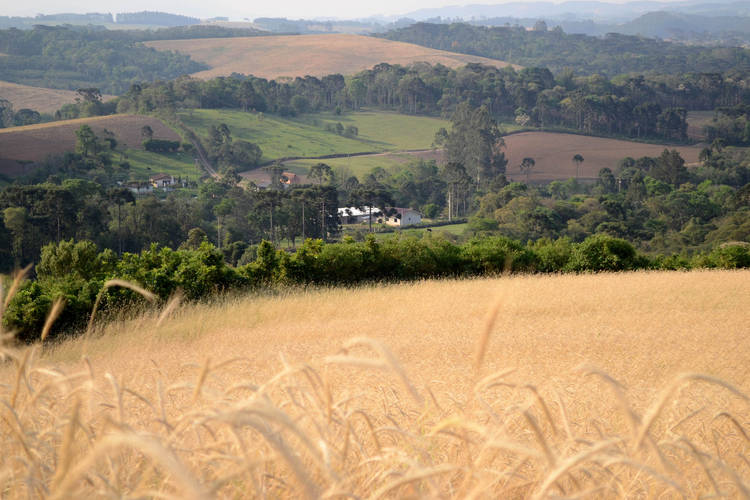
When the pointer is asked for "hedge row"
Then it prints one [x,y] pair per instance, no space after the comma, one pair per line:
[77,272]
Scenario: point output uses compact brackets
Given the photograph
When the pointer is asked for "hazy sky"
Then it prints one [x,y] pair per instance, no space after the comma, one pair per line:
[236,9]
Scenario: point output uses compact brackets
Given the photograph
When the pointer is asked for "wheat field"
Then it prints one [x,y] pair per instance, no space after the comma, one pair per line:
[301,55]
[591,386]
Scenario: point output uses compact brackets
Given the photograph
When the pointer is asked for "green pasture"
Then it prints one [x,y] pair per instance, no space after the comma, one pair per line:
[277,137]
[393,131]
[144,164]
[307,135]
[359,166]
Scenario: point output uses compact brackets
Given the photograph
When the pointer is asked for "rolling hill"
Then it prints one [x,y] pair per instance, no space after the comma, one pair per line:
[301,55]
[34,143]
[38,98]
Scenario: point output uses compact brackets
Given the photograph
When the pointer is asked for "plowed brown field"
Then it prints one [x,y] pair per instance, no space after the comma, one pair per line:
[34,143]
[553,154]
[38,98]
[301,55]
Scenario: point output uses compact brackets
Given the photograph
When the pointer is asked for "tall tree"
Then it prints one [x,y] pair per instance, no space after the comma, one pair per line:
[476,142]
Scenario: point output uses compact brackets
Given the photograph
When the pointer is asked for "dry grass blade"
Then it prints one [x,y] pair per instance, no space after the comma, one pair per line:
[54,313]
[65,457]
[117,283]
[17,280]
[484,338]
[571,462]
[389,358]
[551,459]
[172,305]
[184,479]
[734,421]
[656,409]
[619,390]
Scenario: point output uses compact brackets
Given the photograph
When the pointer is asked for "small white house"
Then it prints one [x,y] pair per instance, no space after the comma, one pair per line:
[162,181]
[402,217]
[354,215]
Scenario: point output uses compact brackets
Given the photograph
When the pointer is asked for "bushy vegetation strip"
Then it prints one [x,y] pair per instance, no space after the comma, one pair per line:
[80,275]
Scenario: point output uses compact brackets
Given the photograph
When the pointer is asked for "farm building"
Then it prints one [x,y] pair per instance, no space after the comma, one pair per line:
[354,215]
[162,181]
[402,217]
[140,187]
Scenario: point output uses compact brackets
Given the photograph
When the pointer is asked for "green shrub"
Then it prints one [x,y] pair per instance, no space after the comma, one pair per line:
[734,255]
[602,252]
[495,255]
[161,145]
[552,256]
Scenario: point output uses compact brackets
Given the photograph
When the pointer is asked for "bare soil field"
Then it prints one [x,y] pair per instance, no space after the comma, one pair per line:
[301,55]
[553,154]
[34,143]
[629,385]
[38,98]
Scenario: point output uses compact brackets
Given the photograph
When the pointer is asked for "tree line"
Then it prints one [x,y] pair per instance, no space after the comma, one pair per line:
[635,107]
[610,55]
[76,273]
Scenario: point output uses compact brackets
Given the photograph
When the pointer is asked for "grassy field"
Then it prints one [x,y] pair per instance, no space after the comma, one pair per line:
[277,137]
[37,98]
[553,153]
[34,143]
[301,55]
[144,164]
[307,136]
[613,385]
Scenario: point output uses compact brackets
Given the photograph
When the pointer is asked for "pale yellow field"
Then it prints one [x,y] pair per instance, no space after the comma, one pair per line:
[37,98]
[301,55]
[377,392]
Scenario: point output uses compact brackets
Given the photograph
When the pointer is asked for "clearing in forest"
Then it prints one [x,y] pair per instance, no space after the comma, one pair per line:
[387,134]
[628,385]
[300,55]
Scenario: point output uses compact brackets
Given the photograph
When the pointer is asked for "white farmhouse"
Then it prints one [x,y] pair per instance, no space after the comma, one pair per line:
[402,217]
[162,181]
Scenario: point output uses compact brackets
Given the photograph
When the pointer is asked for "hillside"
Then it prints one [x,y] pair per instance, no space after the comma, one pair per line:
[34,143]
[307,136]
[610,55]
[316,55]
[310,391]
[553,153]
[38,98]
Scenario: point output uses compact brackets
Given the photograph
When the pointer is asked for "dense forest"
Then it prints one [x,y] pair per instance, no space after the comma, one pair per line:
[636,107]
[610,55]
